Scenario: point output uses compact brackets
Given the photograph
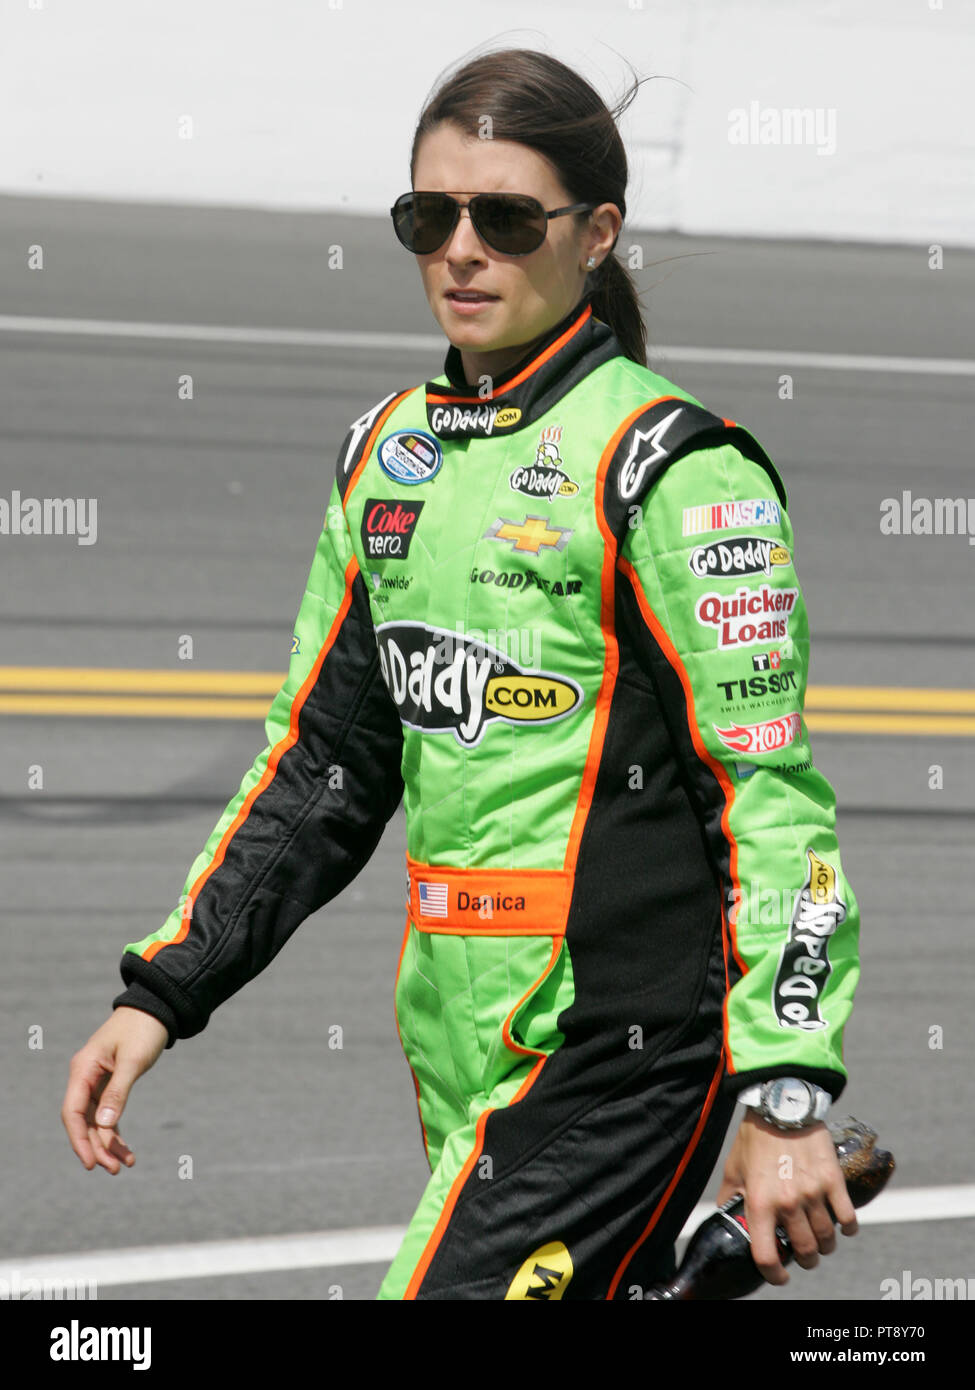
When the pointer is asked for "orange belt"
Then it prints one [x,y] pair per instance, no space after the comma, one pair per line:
[488,902]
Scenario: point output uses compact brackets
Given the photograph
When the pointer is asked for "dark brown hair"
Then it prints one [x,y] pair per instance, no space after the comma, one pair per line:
[535,100]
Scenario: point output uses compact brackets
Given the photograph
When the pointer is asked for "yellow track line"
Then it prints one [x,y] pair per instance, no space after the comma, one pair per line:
[166,694]
[144,706]
[153,682]
[913,698]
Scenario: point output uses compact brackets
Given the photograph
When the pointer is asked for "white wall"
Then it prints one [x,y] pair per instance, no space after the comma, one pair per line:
[311,103]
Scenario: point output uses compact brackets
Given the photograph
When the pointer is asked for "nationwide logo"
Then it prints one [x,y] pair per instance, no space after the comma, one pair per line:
[766,737]
[544,1275]
[410,457]
[529,536]
[482,420]
[731,516]
[749,616]
[757,687]
[387,528]
[743,555]
[444,682]
[546,478]
[805,967]
[526,581]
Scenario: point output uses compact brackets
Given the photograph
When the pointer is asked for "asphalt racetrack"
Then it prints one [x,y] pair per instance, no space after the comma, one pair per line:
[208,511]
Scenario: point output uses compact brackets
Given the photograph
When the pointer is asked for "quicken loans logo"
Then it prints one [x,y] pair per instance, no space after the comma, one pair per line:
[50,516]
[443,682]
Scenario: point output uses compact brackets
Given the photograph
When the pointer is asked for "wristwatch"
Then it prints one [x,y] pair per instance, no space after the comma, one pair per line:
[787,1102]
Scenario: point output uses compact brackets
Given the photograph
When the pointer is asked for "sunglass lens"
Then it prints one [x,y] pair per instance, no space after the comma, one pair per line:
[423,221]
[513,224]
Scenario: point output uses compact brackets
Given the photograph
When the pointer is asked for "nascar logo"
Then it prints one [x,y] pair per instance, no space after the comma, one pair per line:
[728,516]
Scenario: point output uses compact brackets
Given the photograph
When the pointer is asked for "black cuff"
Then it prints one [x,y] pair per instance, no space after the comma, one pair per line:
[138,997]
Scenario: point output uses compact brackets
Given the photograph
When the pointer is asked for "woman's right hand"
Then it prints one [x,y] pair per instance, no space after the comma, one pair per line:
[101,1076]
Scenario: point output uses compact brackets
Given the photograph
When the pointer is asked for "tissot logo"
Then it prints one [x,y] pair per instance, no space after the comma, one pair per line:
[443,682]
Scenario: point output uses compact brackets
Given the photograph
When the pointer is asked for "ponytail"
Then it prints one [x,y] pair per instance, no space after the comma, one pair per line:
[613,296]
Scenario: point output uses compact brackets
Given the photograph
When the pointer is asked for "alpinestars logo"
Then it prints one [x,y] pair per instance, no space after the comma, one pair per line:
[805,967]
[633,470]
[443,682]
[546,478]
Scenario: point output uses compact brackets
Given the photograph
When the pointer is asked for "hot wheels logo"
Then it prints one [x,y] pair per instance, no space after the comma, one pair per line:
[766,737]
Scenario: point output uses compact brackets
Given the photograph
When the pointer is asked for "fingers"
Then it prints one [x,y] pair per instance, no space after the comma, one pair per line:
[74,1116]
[94,1100]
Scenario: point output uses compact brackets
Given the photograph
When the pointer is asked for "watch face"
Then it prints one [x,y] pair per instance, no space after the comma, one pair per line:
[789,1100]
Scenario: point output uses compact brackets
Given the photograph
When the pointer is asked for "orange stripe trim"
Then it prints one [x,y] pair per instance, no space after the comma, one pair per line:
[430,1249]
[607,623]
[289,740]
[686,1158]
[670,652]
[371,441]
[528,371]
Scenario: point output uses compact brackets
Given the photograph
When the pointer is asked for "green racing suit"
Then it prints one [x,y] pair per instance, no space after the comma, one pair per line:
[562,622]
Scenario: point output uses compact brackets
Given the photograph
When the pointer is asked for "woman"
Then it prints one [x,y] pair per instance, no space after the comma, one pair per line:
[554,605]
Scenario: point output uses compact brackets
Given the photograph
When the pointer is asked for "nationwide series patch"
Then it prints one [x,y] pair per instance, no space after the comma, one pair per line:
[743,555]
[546,478]
[805,966]
[410,456]
[446,682]
[731,516]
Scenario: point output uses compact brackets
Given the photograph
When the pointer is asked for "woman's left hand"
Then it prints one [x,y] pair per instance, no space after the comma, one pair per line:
[787,1178]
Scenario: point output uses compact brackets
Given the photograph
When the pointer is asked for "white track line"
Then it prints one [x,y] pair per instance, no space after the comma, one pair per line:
[430,342]
[150,1264]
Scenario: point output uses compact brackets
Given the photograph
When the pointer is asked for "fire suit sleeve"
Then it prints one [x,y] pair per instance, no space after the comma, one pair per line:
[306,818]
[710,555]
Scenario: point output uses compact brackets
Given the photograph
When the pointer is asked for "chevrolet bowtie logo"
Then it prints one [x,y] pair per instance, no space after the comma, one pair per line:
[530,535]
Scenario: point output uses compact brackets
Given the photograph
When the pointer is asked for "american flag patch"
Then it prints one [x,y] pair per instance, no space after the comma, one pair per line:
[726,516]
[433,899]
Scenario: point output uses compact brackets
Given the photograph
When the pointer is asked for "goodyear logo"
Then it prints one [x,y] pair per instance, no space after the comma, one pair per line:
[544,1275]
[445,682]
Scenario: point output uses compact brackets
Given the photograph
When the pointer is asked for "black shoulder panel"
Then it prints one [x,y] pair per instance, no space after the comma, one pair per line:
[355,441]
[664,432]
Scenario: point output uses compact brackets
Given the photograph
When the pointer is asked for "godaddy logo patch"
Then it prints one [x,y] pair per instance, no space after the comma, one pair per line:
[443,682]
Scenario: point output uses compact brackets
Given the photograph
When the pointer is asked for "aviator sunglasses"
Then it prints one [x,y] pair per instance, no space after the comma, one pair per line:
[511,223]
